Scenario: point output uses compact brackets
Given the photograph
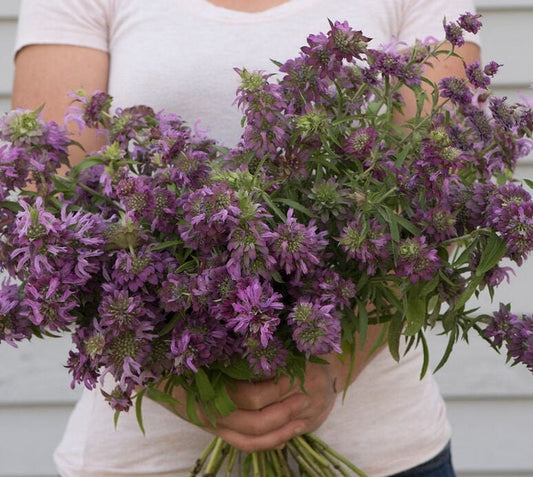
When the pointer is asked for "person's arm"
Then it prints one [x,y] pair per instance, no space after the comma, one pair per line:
[46,74]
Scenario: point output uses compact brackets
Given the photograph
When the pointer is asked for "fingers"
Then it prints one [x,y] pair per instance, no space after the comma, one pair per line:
[257,395]
[271,440]
[267,419]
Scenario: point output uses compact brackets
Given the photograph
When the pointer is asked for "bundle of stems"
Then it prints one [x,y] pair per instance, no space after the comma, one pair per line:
[302,456]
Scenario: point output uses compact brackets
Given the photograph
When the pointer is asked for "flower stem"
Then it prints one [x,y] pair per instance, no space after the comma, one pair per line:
[203,457]
[217,457]
[301,460]
[322,446]
[232,455]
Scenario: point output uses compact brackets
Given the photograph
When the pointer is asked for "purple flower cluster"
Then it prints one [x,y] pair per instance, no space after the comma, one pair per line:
[516,333]
[167,255]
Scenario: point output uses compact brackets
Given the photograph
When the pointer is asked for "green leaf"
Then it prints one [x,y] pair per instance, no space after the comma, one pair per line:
[86,163]
[116,415]
[12,206]
[206,392]
[415,312]
[492,253]
[425,364]
[529,183]
[274,207]
[447,351]
[168,244]
[223,403]
[468,292]
[192,411]
[138,409]
[395,333]
[296,206]
[163,398]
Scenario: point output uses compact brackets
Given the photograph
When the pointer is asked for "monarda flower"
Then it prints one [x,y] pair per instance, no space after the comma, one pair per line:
[13,327]
[365,241]
[210,213]
[454,34]
[14,169]
[247,245]
[456,89]
[121,310]
[477,76]
[417,260]
[331,287]
[470,22]
[265,361]
[175,294]
[197,341]
[360,143]
[50,303]
[329,200]
[316,327]
[297,247]
[256,310]
[345,42]
[140,268]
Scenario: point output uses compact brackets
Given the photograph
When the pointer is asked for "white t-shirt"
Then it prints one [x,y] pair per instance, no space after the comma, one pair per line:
[179,55]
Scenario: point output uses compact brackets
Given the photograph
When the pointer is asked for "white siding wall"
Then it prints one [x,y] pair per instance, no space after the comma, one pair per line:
[490,404]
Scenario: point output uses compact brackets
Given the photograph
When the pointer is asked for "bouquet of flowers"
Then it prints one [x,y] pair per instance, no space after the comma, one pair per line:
[175,262]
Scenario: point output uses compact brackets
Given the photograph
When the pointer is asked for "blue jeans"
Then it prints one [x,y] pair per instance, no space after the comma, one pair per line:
[439,466]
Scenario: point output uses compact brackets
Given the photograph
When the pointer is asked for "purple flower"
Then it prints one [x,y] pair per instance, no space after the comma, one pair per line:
[197,341]
[50,303]
[330,286]
[456,89]
[140,268]
[174,293]
[417,260]
[14,169]
[366,241]
[121,310]
[210,213]
[296,247]
[491,68]
[265,361]
[470,23]
[316,327]
[477,76]
[346,43]
[89,111]
[361,142]
[454,34]
[256,311]
[516,333]
[438,222]
[14,325]
[249,250]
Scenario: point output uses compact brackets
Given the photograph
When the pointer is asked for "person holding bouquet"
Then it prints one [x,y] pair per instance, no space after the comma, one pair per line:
[180,55]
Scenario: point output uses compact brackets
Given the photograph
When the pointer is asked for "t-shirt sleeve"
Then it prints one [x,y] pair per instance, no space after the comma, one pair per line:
[424,19]
[67,22]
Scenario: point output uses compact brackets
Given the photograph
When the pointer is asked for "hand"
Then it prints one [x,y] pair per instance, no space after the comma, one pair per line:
[271,413]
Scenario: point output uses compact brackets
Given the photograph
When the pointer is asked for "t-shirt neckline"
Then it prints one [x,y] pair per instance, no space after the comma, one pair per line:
[205,9]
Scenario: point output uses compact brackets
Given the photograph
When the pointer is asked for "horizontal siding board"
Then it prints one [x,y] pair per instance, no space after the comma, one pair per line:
[36,373]
[492,437]
[28,437]
[503,36]
[7,41]
[9,9]
[487,5]
[5,103]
